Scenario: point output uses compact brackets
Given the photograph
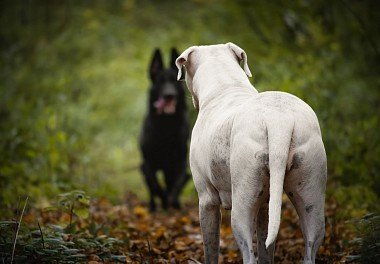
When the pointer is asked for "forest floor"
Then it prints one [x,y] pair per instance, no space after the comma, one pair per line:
[174,236]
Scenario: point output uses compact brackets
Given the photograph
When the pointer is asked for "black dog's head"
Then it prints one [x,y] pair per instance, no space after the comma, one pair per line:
[167,94]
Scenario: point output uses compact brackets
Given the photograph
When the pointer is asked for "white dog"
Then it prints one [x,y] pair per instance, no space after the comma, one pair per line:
[246,147]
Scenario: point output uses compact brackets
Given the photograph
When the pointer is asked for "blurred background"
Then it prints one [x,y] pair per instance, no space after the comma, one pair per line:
[74,86]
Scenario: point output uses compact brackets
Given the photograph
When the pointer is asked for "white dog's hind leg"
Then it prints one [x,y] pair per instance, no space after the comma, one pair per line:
[305,185]
[242,227]
[311,214]
[245,203]
[249,178]
[209,218]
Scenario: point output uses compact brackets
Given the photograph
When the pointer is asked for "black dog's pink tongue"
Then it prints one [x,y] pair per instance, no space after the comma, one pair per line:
[159,105]
[169,107]
[165,106]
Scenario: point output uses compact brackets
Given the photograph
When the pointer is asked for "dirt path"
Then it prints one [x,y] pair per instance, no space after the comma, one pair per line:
[128,233]
[174,236]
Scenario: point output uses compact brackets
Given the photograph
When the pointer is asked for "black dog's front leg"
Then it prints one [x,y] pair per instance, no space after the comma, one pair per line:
[178,187]
[154,187]
[175,182]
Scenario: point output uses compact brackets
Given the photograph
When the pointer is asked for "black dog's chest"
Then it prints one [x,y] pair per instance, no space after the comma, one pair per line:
[164,142]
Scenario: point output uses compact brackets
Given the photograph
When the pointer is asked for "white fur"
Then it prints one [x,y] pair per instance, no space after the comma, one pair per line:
[238,137]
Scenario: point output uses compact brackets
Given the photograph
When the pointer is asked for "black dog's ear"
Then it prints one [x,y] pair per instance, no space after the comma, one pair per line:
[156,65]
[174,56]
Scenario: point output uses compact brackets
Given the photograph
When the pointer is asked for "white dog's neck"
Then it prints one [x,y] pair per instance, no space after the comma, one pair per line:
[215,79]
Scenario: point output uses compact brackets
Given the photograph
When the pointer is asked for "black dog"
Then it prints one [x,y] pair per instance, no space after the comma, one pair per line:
[165,133]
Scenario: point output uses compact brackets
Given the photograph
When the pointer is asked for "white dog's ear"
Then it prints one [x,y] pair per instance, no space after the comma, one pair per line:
[241,56]
[182,60]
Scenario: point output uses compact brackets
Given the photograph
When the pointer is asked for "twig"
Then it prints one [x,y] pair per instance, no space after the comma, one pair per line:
[18,229]
[71,214]
[150,252]
[193,260]
[42,235]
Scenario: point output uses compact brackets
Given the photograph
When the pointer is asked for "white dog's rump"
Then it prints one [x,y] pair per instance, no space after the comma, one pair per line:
[247,147]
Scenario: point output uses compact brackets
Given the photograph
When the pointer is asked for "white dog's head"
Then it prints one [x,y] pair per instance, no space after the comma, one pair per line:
[194,56]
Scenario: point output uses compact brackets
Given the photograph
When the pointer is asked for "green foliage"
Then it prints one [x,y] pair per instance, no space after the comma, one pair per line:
[73,83]
[75,204]
[57,244]
[356,201]
[367,240]
[53,245]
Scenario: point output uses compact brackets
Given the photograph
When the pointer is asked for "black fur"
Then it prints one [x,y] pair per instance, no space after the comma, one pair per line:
[164,135]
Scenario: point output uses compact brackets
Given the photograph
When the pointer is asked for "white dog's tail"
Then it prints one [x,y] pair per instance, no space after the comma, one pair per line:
[279,137]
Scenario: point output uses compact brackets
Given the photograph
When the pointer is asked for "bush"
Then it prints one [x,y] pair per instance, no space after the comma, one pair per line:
[368,240]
